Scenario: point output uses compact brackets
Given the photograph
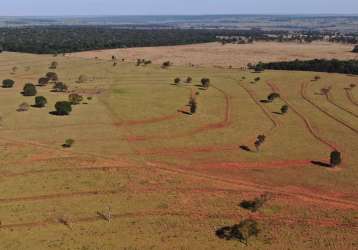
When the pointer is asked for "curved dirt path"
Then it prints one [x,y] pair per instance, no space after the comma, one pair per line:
[304,96]
[350,97]
[204,128]
[331,101]
[307,123]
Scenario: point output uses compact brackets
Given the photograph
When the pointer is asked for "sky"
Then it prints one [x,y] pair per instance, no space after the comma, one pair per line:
[172,7]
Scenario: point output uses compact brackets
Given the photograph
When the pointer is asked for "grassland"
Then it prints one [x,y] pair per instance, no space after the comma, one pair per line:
[171,179]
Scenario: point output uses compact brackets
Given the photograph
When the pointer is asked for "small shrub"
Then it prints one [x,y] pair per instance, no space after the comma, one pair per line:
[271,97]
[40,101]
[177,80]
[68,143]
[257,79]
[23,107]
[53,65]
[75,98]
[189,79]
[256,204]
[43,81]
[205,82]
[166,64]
[60,87]
[8,83]
[52,76]
[284,109]
[193,106]
[29,90]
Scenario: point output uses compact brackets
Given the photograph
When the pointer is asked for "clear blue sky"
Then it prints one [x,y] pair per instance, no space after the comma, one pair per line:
[152,7]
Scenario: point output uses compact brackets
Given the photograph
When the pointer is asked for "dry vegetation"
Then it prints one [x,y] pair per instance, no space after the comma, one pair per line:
[142,175]
[215,54]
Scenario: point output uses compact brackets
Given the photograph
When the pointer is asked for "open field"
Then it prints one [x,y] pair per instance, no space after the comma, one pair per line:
[215,54]
[171,179]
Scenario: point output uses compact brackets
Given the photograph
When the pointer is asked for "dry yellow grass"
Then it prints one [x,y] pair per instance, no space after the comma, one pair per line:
[215,54]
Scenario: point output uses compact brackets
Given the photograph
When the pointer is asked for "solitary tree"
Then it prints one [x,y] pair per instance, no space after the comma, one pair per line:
[75,98]
[68,143]
[8,83]
[177,80]
[29,90]
[259,141]
[284,109]
[189,79]
[335,158]
[63,108]
[242,232]
[257,79]
[205,82]
[166,64]
[43,81]
[40,101]
[193,106]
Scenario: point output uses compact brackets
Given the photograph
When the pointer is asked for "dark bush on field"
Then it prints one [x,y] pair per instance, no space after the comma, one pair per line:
[256,204]
[29,90]
[242,232]
[8,83]
[63,108]
[40,101]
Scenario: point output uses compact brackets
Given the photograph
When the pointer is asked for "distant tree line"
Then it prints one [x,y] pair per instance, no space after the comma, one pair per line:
[316,65]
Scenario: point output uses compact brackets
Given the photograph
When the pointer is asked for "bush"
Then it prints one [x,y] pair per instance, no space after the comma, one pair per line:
[242,232]
[257,79]
[189,79]
[40,101]
[53,65]
[166,64]
[271,97]
[8,83]
[177,80]
[29,90]
[63,108]
[68,143]
[75,99]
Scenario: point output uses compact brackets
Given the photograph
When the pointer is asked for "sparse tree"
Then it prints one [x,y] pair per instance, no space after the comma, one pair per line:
[242,232]
[335,158]
[53,65]
[29,90]
[63,108]
[60,87]
[52,76]
[75,98]
[82,79]
[8,83]
[40,101]
[23,107]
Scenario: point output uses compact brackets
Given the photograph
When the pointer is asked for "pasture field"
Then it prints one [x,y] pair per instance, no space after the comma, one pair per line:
[168,179]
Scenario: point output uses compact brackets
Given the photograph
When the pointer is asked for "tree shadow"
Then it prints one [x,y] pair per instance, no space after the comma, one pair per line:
[277,113]
[264,101]
[185,112]
[321,164]
[245,148]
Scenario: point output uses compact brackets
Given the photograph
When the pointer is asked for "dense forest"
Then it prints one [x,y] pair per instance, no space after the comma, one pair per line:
[63,39]
[317,65]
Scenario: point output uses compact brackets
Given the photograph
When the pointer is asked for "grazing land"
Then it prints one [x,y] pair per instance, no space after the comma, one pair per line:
[235,55]
[143,173]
